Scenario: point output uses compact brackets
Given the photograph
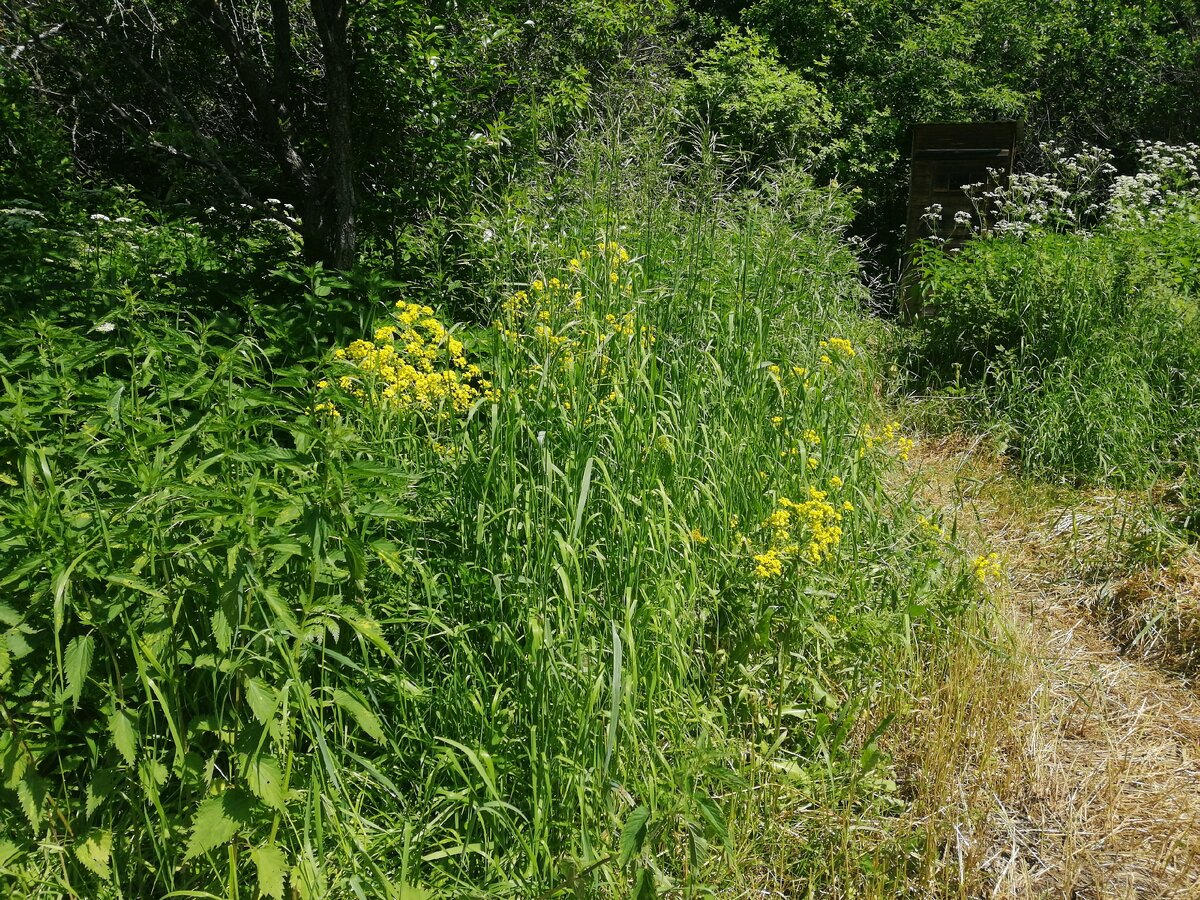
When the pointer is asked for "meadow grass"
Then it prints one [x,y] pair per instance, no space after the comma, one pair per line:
[1077,350]
[604,592]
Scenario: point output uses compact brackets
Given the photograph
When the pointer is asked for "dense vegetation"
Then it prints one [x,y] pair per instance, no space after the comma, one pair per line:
[1072,325]
[441,446]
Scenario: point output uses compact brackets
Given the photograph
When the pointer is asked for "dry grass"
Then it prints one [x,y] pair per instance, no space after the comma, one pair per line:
[1155,613]
[1086,762]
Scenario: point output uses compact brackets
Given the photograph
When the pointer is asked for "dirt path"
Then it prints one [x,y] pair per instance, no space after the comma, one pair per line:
[1097,788]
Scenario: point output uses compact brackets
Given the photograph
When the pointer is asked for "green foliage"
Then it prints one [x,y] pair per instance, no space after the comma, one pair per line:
[1079,347]
[270,634]
[755,102]
[34,165]
[1104,72]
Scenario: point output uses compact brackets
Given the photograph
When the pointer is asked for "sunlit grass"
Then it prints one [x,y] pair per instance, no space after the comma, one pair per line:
[597,614]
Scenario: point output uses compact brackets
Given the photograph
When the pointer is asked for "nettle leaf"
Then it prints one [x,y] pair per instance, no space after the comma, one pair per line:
[78,663]
[10,853]
[262,700]
[122,725]
[31,794]
[100,787]
[217,821]
[265,779]
[9,616]
[222,630]
[633,835]
[366,719]
[272,870]
[95,851]
[17,644]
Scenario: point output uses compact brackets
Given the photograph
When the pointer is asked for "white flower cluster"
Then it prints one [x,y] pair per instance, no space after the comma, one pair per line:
[1076,192]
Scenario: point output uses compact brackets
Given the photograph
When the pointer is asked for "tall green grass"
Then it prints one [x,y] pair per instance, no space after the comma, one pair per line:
[1080,350]
[264,637]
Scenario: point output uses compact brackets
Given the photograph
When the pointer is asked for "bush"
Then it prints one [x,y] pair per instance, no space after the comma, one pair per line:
[755,102]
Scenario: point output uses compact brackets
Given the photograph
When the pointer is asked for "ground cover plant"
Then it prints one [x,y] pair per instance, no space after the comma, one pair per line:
[1073,321]
[580,597]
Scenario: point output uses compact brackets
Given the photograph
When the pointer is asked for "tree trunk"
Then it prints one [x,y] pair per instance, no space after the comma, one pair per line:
[341,236]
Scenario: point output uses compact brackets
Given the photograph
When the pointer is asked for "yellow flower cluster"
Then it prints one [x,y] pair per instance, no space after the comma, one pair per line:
[413,364]
[884,438]
[768,564]
[930,528]
[985,567]
[820,522]
[839,347]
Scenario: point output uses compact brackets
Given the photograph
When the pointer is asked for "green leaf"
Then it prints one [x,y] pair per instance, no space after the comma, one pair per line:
[9,616]
[9,853]
[217,820]
[265,779]
[366,719]
[100,787]
[31,793]
[94,850]
[78,663]
[272,870]
[17,645]
[122,725]
[633,835]
[644,887]
[262,700]
[716,820]
[222,630]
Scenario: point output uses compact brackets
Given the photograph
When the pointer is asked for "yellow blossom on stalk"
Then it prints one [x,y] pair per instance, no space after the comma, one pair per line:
[835,482]
[811,437]
[612,277]
[768,564]
[903,447]
[774,370]
[930,528]
[327,408]
[322,384]
[538,285]
[985,567]
[813,462]
[574,265]
[413,364]
[776,421]
[698,536]
[839,347]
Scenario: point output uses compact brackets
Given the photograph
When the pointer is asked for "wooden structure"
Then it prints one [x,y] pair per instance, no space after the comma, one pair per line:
[945,157]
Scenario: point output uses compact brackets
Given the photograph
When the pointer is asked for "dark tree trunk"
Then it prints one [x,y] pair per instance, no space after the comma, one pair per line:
[339,226]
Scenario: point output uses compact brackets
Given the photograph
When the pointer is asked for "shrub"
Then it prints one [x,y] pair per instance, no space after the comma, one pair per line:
[754,101]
